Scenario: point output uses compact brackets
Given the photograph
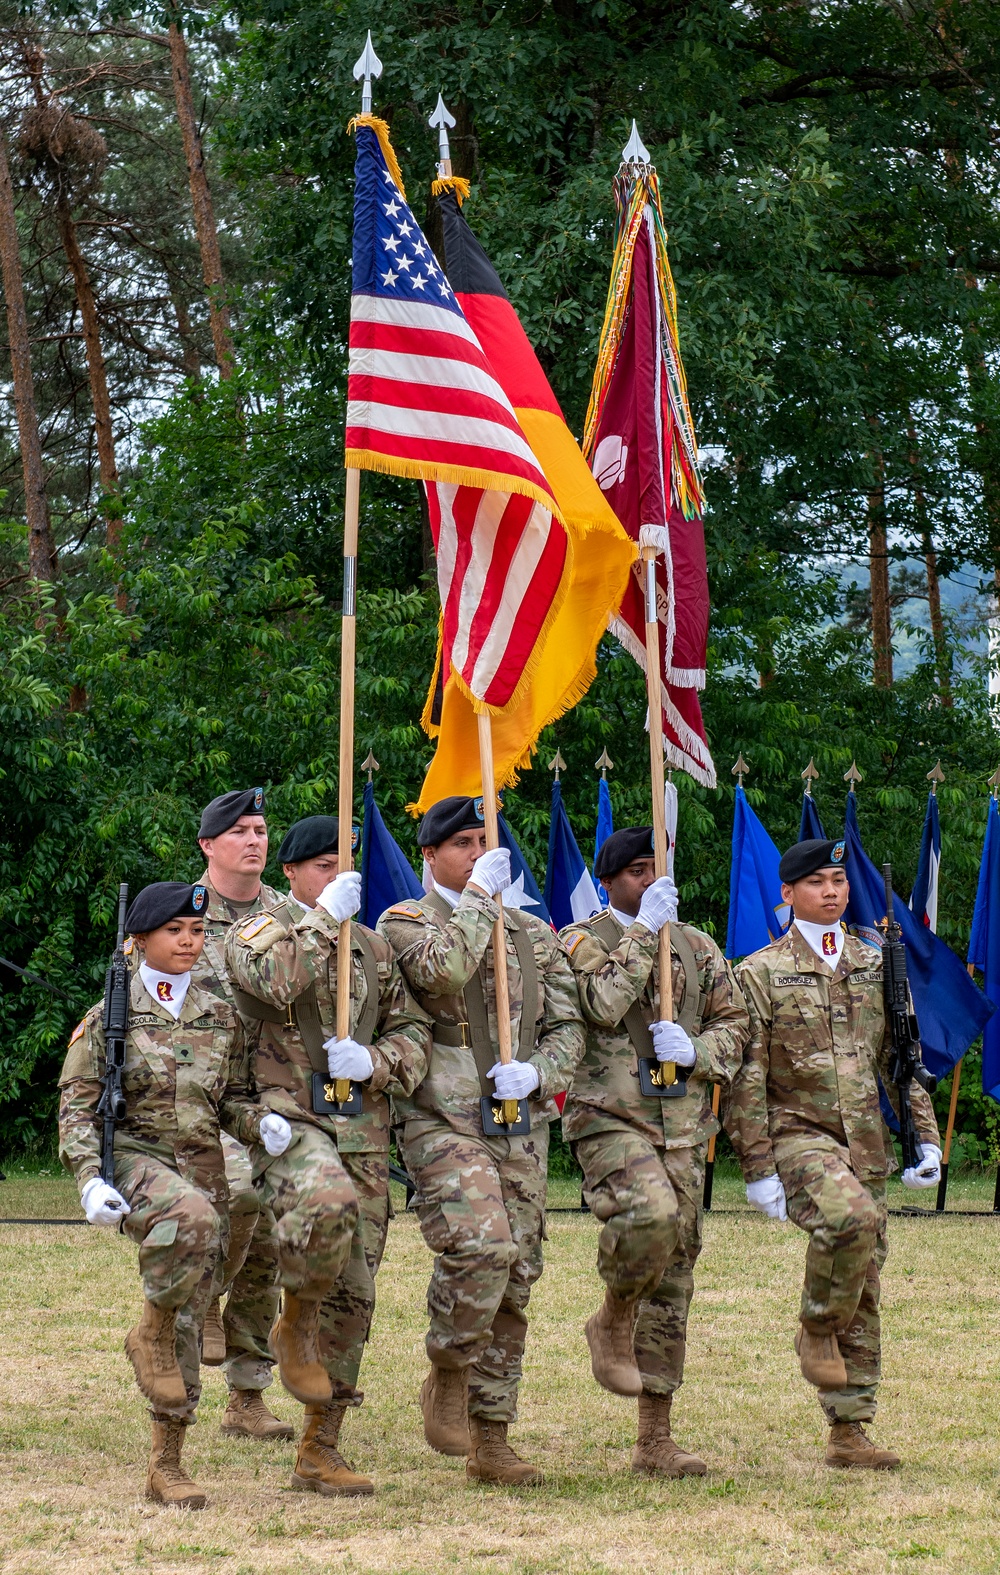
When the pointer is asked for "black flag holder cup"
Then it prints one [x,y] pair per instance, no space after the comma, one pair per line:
[324,1096]
[651,1083]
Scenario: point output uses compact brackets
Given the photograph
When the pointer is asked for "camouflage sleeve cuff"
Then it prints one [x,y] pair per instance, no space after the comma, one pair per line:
[479,901]
[702,1069]
[87,1172]
[646,939]
[382,1071]
[758,1169]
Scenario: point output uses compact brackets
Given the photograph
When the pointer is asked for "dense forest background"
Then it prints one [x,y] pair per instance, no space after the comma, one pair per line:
[175,200]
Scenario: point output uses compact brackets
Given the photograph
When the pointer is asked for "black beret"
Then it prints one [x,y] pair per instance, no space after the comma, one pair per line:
[618,850]
[808,857]
[226,810]
[310,837]
[163,901]
[448,817]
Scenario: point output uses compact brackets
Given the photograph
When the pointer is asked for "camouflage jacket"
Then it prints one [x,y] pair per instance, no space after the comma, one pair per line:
[178,1086]
[438,957]
[605,1092]
[276,956]
[210,970]
[810,1072]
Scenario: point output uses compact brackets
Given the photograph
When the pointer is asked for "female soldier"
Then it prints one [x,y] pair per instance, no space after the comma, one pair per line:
[184,1046]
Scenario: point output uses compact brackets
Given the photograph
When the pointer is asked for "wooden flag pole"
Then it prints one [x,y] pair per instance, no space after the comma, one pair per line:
[499,934]
[706,1201]
[657,780]
[345,806]
[942,1191]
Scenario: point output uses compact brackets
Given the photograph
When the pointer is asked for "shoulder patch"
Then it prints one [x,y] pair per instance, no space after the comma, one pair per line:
[78,1031]
[789,979]
[572,940]
[253,926]
[405,910]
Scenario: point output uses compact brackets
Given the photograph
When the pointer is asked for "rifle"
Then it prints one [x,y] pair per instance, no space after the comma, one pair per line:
[906,1066]
[117,983]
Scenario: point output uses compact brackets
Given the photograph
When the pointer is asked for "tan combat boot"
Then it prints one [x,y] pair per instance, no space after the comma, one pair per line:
[850,1445]
[820,1358]
[248,1417]
[491,1458]
[319,1465]
[444,1401]
[656,1453]
[213,1338]
[294,1345]
[167,1482]
[612,1357]
[151,1349]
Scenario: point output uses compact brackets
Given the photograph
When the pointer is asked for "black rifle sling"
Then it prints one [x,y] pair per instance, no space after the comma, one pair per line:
[484,1052]
[303,1012]
[691,1007]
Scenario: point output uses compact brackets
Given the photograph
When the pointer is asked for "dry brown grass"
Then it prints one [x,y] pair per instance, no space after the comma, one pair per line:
[73,1432]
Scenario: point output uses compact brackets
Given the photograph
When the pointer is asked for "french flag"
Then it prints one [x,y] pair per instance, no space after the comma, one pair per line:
[570,893]
[924,898]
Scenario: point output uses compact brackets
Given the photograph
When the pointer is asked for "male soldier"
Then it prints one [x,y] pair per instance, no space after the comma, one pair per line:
[233,838]
[284,965]
[481,1200]
[182,1055]
[804,1119]
[643,1157]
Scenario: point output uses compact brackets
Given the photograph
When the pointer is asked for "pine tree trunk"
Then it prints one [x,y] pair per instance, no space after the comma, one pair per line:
[41,543]
[878,558]
[942,657]
[96,370]
[192,360]
[201,200]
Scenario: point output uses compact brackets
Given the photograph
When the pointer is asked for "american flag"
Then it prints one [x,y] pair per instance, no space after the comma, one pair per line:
[423,401]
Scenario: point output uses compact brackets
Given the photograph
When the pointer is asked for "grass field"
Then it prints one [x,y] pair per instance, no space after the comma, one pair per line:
[73,1433]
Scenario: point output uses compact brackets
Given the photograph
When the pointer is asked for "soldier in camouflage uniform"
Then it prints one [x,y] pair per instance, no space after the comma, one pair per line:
[805,1121]
[481,1200]
[169,1177]
[331,1205]
[233,837]
[643,1157]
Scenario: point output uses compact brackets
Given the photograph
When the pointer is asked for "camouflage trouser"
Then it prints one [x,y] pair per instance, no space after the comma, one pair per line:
[347,1310]
[180,1234]
[649,1200]
[315,1206]
[250,1276]
[846,1220]
[481,1205]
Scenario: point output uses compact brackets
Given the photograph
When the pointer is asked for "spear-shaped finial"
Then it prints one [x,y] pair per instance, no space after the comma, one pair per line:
[934,776]
[440,120]
[853,776]
[370,765]
[557,764]
[635,150]
[740,770]
[994,782]
[809,776]
[367,65]
[605,764]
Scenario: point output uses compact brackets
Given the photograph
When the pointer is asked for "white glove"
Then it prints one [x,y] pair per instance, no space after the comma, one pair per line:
[671,1043]
[659,905]
[516,1080]
[768,1197]
[342,897]
[275,1134]
[102,1204]
[491,871]
[928,1172]
[346,1058]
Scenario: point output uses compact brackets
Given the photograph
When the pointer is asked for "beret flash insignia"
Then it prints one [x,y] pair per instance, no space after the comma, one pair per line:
[258,798]
[837,853]
[199,897]
[480,813]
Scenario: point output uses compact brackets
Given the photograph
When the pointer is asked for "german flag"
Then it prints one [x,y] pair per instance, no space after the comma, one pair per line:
[601,552]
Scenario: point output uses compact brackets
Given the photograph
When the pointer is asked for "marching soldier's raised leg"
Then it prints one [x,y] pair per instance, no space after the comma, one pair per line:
[641,1140]
[480,1184]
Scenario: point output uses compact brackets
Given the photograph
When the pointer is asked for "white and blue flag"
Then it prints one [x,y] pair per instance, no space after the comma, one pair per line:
[570,892]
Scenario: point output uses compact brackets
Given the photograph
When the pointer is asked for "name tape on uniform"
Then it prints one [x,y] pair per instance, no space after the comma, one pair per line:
[781,979]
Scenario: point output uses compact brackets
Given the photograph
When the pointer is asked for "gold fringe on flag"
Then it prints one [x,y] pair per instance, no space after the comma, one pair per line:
[456,183]
[381,131]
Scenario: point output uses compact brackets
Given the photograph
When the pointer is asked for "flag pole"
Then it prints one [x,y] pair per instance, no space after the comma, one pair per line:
[510,1111]
[706,1201]
[942,1191]
[658,781]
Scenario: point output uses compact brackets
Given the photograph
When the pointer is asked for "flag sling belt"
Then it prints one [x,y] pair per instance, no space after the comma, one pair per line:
[474,1033]
[303,1012]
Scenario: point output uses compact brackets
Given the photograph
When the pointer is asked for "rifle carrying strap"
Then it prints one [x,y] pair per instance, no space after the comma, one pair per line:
[689,1012]
[477,1023]
[303,1012]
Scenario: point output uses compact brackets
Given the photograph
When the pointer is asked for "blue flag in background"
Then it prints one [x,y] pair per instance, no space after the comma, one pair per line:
[757,914]
[605,826]
[523,891]
[386,874]
[810,826]
[570,892]
[951,1010]
[984,944]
